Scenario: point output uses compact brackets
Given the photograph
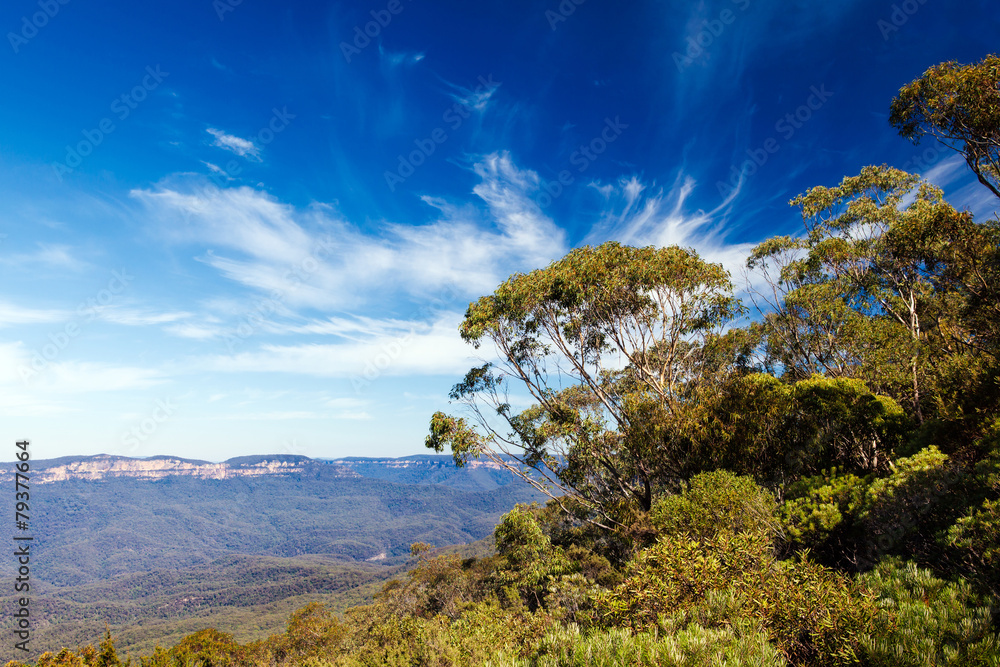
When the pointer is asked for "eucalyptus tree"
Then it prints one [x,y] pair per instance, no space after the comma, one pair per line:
[613,345]
[879,287]
[960,106]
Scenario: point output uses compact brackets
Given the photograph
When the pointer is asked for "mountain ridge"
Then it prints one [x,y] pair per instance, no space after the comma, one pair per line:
[419,469]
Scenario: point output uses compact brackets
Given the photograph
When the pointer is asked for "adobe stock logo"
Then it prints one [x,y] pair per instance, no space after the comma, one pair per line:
[122,107]
[585,155]
[454,117]
[711,30]
[146,428]
[87,312]
[30,27]
[363,35]
[565,9]
[899,17]
[786,126]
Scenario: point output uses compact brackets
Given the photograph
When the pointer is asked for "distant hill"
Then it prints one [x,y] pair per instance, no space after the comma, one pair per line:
[104,466]
[420,469]
[164,546]
[424,469]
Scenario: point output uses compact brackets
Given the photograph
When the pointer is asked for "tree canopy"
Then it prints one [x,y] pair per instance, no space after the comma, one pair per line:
[960,106]
[612,343]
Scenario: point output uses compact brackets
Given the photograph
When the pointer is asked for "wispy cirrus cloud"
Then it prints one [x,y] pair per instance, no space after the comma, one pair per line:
[641,214]
[139,318]
[11,314]
[312,257]
[394,59]
[477,98]
[70,377]
[242,147]
[417,348]
[49,255]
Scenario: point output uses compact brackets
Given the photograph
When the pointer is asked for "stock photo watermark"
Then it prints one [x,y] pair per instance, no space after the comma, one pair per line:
[278,123]
[711,30]
[121,108]
[147,427]
[912,509]
[390,352]
[453,117]
[927,158]
[582,158]
[223,7]
[22,555]
[266,307]
[562,13]
[87,311]
[48,9]
[786,127]
[364,34]
[899,17]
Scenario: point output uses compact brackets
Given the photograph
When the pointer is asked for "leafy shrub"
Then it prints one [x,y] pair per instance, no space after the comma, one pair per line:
[977,539]
[817,506]
[813,615]
[693,646]
[526,560]
[926,621]
[715,501]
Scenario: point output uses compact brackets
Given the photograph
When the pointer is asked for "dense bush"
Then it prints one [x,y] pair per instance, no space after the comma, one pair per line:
[927,622]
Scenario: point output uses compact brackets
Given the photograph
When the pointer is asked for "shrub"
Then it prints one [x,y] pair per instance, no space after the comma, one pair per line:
[714,501]
[926,621]
[813,615]
[693,646]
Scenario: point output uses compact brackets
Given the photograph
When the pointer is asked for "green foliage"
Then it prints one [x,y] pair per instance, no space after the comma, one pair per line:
[598,439]
[976,537]
[312,630]
[703,511]
[780,432]
[878,289]
[852,521]
[715,501]
[817,506]
[528,567]
[440,585]
[926,621]
[814,616]
[105,656]
[692,646]
[960,106]
[207,648]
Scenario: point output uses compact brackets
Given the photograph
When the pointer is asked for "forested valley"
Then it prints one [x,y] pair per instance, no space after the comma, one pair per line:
[803,471]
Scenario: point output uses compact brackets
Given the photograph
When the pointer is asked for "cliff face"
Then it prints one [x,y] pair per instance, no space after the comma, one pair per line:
[480,475]
[95,468]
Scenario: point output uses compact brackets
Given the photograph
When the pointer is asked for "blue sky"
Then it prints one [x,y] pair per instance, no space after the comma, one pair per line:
[239,227]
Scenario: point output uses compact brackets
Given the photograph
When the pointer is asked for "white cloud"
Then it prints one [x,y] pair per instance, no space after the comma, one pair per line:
[14,314]
[395,59]
[138,318]
[39,379]
[51,255]
[395,350]
[195,331]
[242,147]
[639,215]
[477,98]
[353,416]
[311,258]
[216,169]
